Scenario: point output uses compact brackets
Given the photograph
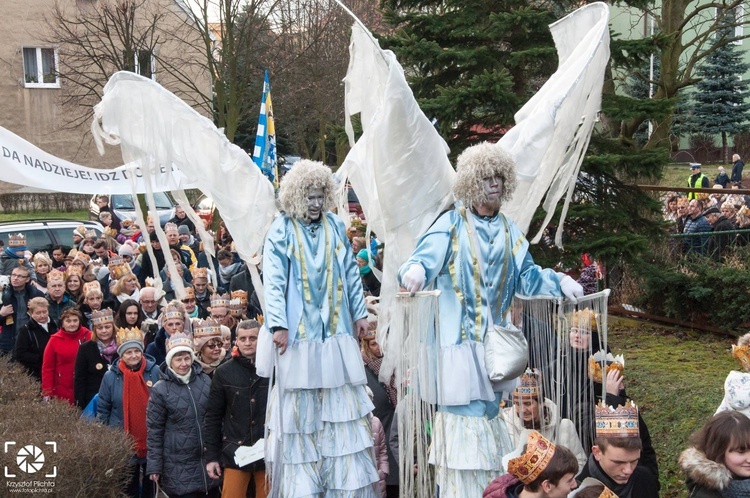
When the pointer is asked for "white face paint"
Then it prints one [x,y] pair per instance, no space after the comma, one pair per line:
[315,200]
[493,188]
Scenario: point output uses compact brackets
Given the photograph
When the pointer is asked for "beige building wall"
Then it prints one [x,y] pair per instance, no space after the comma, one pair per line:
[36,114]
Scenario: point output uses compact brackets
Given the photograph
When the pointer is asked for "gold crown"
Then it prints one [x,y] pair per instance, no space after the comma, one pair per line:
[55,276]
[189,293]
[529,386]
[539,452]
[102,316]
[200,273]
[584,319]
[92,286]
[209,326]
[170,227]
[130,334]
[260,319]
[42,256]
[149,282]
[179,339]
[742,353]
[17,240]
[620,422]
[82,257]
[119,271]
[601,358]
[73,270]
[607,493]
[220,301]
[241,295]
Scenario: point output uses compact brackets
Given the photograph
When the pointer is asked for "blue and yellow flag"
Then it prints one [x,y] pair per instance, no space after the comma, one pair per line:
[264,154]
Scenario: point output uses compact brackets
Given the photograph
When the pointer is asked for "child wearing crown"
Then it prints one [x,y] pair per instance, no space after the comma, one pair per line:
[15,254]
[737,384]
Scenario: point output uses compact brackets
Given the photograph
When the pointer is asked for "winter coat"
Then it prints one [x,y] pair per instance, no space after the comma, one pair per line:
[236,412]
[7,264]
[8,330]
[722,179]
[175,432]
[30,344]
[505,486]
[641,484]
[58,364]
[705,478]
[381,454]
[55,308]
[559,431]
[184,221]
[158,348]
[89,372]
[109,404]
[737,171]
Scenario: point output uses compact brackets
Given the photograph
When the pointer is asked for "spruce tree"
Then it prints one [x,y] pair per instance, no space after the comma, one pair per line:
[719,98]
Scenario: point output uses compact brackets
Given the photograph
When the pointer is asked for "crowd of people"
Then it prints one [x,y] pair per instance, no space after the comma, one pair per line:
[180,374]
[702,217]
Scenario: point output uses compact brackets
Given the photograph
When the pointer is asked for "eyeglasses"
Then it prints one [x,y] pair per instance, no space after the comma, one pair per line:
[580,331]
[213,345]
[220,317]
[18,275]
[144,301]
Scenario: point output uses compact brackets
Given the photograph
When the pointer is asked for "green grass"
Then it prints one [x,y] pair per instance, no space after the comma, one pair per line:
[675,175]
[677,378]
[45,215]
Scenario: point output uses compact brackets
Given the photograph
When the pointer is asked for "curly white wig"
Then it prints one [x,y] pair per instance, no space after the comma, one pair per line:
[296,185]
[478,163]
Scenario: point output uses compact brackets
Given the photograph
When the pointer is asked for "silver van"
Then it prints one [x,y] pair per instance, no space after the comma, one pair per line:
[44,235]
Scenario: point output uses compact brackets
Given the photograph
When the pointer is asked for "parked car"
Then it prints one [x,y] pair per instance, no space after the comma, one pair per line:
[43,235]
[354,206]
[124,206]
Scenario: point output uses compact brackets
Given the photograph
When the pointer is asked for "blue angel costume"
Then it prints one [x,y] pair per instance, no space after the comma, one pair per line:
[319,414]
[478,274]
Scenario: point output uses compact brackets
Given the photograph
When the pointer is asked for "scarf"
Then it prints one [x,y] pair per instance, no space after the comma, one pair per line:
[621,490]
[194,313]
[374,363]
[12,254]
[228,272]
[135,395]
[738,488]
[135,296]
[183,378]
[208,368]
[109,351]
[364,270]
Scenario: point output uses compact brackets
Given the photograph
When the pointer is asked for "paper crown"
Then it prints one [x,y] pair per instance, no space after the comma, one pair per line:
[42,256]
[179,339]
[241,295]
[17,240]
[527,467]
[82,257]
[119,271]
[55,276]
[172,311]
[236,306]
[102,316]
[220,301]
[79,231]
[189,293]
[600,358]
[200,273]
[260,319]
[149,282]
[116,261]
[130,334]
[529,386]
[204,331]
[584,319]
[73,270]
[590,482]
[170,227]
[90,287]
[89,234]
[741,353]
[619,422]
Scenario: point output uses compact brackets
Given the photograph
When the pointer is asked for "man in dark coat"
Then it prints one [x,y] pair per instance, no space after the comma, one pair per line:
[719,242]
[33,337]
[236,415]
[56,297]
[180,219]
[737,169]
[13,311]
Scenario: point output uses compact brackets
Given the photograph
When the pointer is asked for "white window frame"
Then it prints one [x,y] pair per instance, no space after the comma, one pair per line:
[137,65]
[739,15]
[40,74]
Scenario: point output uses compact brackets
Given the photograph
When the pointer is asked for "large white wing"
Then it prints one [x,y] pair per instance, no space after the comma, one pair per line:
[553,129]
[399,167]
[155,130]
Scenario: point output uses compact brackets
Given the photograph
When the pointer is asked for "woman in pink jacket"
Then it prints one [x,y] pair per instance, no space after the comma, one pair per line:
[58,364]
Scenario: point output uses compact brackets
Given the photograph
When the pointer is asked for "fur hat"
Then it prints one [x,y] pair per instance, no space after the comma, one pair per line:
[478,163]
[297,183]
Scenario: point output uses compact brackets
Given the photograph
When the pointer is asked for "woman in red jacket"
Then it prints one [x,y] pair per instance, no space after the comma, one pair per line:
[58,365]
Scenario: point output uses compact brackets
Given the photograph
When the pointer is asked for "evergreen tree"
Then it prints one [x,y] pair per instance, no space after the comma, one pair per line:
[471,63]
[720,106]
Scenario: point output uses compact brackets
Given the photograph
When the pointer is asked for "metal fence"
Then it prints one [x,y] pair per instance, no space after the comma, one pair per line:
[710,244]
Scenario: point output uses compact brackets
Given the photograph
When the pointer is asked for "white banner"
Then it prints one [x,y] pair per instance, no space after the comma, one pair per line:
[25,164]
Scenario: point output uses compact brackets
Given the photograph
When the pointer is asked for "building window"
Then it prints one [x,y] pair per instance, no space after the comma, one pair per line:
[40,68]
[739,17]
[141,62]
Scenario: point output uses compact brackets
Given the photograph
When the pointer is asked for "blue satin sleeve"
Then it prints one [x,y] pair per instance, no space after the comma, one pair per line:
[533,280]
[433,248]
[276,270]
[352,280]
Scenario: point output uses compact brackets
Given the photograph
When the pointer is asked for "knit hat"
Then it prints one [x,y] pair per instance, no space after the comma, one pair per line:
[179,343]
[125,250]
[129,338]
[183,230]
